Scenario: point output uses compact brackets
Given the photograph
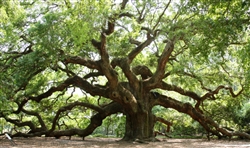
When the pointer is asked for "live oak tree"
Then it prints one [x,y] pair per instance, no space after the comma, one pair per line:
[63,60]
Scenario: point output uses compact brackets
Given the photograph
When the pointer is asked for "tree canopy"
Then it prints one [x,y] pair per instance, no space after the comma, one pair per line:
[67,65]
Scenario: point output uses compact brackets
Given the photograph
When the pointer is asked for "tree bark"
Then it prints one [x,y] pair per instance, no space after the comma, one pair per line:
[139,126]
[96,121]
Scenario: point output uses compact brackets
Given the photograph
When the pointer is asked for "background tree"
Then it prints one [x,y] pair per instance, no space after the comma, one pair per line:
[67,65]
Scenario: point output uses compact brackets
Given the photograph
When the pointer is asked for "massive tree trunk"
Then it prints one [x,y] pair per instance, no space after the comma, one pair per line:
[139,126]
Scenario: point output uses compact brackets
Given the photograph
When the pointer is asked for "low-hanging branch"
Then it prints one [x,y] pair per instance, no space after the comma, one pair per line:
[95,121]
[19,123]
[205,121]
[70,106]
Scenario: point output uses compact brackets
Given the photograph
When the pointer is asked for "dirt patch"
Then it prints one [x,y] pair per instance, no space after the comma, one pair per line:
[42,142]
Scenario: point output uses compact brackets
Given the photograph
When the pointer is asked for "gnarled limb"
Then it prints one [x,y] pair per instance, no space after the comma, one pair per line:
[195,96]
[216,91]
[70,107]
[205,121]
[76,81]
[96,121]
[163,59]
[105,66]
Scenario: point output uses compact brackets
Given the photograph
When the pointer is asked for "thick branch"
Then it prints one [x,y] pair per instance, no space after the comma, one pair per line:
[111,28]
[19,123]
[179,90]
[124,65]
[82,61]
[196,115]
[105,66]
[164,58]
[96,121]
[76,81]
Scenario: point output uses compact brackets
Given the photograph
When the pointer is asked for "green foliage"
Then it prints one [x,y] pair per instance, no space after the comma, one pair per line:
[113,126]
[211,48]
[242,118]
